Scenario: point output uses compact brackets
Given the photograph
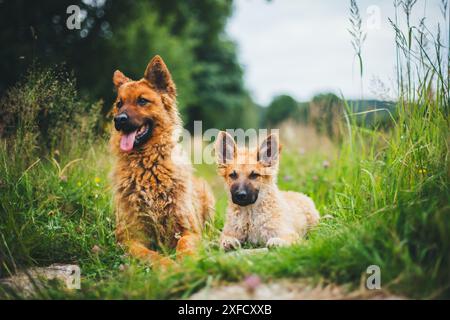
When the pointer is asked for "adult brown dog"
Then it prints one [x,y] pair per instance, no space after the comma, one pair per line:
[158,201]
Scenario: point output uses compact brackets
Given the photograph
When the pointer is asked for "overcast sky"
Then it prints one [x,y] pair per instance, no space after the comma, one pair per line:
[303,47]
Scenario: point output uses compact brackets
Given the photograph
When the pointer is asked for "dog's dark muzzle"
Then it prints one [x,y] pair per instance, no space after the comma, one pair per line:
[244,195]
[122,123]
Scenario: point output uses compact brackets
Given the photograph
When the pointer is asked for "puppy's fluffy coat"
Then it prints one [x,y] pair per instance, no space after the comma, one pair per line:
[258,212]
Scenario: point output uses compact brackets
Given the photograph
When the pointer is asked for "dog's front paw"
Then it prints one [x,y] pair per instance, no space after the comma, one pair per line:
[276,242]
[229,243]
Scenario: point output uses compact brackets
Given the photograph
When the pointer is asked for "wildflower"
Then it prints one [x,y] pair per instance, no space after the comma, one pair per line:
[97,180]
[96,249]
[422,171]
[123,267]
[63,178]
[251,283]
[315,178]
[325,164]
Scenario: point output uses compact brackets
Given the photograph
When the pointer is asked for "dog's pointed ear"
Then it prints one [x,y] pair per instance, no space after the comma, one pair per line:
[159,76]
[225,148]
[119,79]
[269,151]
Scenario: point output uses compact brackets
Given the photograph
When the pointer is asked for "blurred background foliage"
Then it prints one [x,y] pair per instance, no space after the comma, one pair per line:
[124,35]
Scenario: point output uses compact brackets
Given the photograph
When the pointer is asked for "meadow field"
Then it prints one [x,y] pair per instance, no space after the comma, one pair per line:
[383,194]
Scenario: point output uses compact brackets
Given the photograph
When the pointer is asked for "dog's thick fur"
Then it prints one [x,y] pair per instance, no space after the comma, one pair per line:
[158,201]
[277,217]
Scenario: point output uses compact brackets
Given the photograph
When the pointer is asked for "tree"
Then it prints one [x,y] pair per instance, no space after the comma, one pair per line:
[326,114]
[125,35]
[281,108]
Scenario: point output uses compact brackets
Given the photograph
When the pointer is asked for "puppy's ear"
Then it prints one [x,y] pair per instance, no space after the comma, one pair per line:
[119,79]
[159,76]
[225,148]
[269,151]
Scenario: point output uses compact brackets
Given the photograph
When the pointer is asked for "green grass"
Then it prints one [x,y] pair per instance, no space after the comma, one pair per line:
[387,193]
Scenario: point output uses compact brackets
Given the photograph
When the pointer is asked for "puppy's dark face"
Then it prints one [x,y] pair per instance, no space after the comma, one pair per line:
[247,173]
[139,111]
[244,187]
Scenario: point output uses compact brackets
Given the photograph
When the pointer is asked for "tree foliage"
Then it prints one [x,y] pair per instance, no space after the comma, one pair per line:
[124,35]
[281,108]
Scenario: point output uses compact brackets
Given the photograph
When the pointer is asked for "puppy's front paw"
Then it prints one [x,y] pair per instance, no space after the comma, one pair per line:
[229,243]
[276,242]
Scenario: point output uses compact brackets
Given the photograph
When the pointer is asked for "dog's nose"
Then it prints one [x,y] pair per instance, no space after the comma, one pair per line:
[244,197]
[120,120]
[241,195]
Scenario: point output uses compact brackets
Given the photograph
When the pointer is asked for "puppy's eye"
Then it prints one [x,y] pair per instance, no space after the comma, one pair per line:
[254,175]
[233,175]
[119,104]
[142,101]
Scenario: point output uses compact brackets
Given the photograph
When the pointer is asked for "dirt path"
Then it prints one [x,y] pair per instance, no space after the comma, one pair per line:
[253,288]
[287,289]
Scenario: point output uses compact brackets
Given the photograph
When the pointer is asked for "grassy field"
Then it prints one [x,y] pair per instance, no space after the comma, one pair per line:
[385,194]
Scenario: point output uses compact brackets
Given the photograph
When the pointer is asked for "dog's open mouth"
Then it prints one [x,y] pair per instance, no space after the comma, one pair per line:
[133,139]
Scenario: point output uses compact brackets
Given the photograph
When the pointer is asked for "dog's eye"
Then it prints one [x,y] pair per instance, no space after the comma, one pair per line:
[253,175]
[233,175]
[142,101]
[119,104]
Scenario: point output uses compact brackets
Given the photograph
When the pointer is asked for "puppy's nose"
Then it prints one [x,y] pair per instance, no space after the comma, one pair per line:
[241,195]
[120,121]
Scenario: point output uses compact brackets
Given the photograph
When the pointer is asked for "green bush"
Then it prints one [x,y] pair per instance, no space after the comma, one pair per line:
[44,112]
[282,108]
[50,194]
[326,114]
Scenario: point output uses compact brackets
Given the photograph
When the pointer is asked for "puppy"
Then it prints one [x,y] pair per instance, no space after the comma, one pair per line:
[258,212]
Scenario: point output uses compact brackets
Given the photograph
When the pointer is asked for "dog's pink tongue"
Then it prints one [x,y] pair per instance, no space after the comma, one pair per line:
[127,141]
